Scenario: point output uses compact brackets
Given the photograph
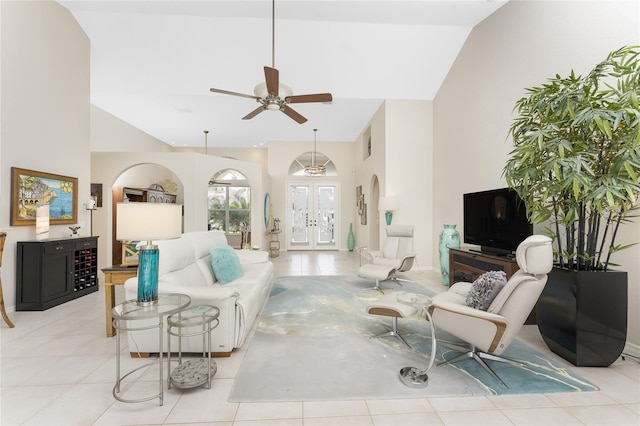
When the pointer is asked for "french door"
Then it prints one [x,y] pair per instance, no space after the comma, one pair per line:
[312,222]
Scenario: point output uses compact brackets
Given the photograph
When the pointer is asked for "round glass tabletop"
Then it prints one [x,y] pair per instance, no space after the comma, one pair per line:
[167,304]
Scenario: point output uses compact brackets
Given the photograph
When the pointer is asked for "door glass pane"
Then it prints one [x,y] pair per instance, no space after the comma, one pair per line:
[300,214]
[326,215]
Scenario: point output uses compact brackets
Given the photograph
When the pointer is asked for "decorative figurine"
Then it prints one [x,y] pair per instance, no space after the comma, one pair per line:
[74,231]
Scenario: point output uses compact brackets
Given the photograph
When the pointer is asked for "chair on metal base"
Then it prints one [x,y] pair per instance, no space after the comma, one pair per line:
[489,333]
[376,272]
[473,352]
[397,255]
[389,306]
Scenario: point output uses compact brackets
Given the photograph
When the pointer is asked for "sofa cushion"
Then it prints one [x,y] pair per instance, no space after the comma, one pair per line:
[485,288]
[204,241]
[189,276]
[225,263]
[252,256]
[174,254]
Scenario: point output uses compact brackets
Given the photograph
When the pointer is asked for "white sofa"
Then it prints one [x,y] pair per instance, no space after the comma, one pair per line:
[185,267]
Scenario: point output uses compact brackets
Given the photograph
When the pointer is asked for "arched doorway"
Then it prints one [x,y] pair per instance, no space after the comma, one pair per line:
[146,183]
[313,215]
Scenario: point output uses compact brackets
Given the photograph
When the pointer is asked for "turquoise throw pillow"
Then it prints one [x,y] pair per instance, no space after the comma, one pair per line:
[225,264]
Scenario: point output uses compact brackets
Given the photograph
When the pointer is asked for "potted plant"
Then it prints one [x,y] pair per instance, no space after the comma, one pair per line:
[575,164]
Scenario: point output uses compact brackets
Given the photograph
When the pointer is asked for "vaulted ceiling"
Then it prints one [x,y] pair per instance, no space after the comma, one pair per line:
[153,62]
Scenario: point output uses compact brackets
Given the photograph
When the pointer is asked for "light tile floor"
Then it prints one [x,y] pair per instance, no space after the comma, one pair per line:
[58,368]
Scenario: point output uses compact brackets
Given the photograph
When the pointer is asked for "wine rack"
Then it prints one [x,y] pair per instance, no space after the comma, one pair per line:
[85,268]
[52,272]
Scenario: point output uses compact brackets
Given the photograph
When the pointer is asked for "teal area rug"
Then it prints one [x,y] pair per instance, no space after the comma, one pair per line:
[314,342]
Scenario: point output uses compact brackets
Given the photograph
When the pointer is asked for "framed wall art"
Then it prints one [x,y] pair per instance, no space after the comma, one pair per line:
[130,255]
[29,187]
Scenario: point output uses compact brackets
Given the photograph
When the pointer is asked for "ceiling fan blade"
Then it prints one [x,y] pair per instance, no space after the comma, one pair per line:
[272,78]
[226,92]
[317,97]
[254,113]
[293,114]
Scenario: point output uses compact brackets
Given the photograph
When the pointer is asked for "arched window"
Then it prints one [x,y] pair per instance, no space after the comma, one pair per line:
[298,165]
[229,202]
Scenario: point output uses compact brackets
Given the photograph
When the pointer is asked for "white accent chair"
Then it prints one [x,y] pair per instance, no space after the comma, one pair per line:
[397,255]
[489,333]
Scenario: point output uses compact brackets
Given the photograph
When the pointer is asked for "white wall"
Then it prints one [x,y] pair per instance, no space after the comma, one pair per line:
[253,155]
[402,160]
[521,45]
[111,134]
[44,113]
[409,171]
[367,170]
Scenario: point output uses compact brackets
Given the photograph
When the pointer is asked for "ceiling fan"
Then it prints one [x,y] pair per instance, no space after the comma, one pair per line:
[273,95]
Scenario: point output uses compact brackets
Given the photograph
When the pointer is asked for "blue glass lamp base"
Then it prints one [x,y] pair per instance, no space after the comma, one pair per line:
[148,275]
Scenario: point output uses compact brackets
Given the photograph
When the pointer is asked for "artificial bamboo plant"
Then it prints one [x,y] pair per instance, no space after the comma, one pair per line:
[576,157]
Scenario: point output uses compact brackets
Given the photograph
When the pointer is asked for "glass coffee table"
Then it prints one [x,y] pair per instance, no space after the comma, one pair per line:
[130,317]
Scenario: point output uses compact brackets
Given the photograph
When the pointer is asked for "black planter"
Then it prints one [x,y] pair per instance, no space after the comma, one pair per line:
[582,316]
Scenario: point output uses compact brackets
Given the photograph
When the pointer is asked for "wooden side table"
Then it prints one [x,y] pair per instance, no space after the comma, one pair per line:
[113,276]
[3,236]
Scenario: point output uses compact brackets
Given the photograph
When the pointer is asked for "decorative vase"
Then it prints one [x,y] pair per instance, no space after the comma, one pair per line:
[388,217]
[351,239]
[449,238]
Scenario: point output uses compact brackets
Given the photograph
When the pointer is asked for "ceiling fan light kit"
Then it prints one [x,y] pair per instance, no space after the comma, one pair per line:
[273,95]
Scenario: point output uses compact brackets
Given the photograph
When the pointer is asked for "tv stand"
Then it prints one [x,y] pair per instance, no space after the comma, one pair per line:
[467,265]
[501,255]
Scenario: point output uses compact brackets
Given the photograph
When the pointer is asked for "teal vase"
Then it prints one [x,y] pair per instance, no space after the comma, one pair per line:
[449,238]
[351,239]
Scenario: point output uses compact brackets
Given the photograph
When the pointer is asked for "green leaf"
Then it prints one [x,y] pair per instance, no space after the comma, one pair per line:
[576,188]
[631,172]
[612,204]
[634,100]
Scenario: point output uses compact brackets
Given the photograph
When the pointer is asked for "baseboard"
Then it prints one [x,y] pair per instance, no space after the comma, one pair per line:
[148,354]
[631,350]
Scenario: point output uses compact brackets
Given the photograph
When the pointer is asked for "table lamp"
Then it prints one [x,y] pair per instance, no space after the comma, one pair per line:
[388,204]
[146,222]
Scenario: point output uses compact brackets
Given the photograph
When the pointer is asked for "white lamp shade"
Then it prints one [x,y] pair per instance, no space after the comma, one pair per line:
[388,204]
[148,221]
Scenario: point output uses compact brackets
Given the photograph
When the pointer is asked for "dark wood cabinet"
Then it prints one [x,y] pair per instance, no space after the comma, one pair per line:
[52,272]
[466,265]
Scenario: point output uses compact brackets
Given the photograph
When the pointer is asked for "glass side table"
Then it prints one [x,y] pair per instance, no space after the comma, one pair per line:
[125,317]
[198,321]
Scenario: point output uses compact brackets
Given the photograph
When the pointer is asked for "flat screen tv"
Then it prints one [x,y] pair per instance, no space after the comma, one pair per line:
[495,220]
